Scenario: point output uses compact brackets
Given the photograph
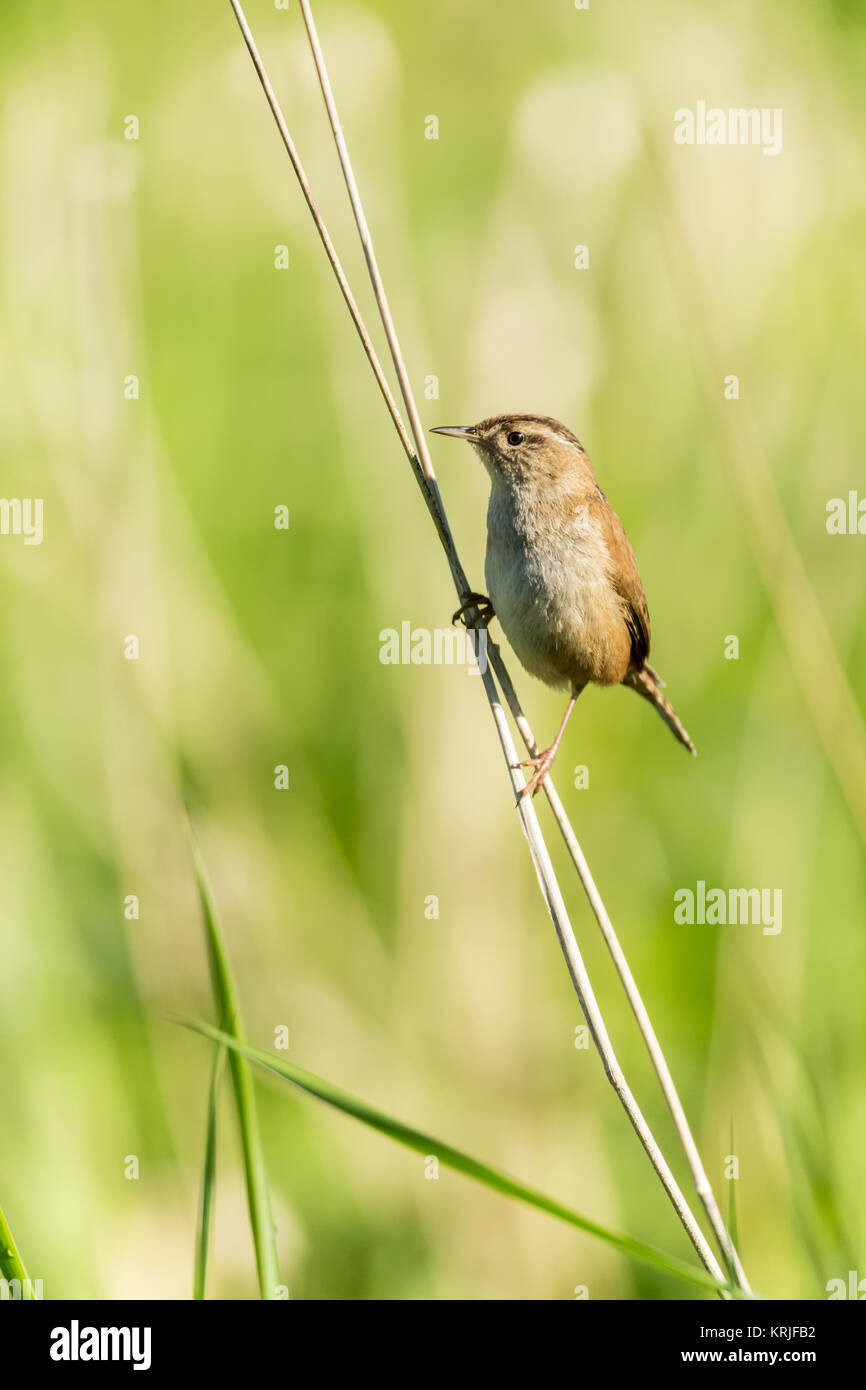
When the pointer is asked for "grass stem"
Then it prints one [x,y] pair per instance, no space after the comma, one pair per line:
[11,1265]
[456,1159]
[228,1013]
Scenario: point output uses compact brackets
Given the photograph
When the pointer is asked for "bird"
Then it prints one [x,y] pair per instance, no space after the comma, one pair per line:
[561,575]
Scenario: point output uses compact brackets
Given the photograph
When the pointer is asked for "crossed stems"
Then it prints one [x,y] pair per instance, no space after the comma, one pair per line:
[421,463]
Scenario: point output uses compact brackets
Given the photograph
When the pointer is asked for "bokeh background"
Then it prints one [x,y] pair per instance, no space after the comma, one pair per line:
[155,258]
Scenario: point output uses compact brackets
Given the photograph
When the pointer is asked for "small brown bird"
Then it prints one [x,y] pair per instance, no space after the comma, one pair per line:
[560,572]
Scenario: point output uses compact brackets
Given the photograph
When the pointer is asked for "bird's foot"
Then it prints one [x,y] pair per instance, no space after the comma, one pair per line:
[542,762]
[484,606]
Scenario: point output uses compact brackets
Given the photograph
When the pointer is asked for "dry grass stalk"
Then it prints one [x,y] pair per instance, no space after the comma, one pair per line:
[419,457]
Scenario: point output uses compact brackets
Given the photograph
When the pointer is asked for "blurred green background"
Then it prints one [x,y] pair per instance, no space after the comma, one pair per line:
[155,258]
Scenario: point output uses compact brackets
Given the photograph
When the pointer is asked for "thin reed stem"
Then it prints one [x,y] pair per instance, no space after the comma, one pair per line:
[423,467]
[320,227]
[702,1183]
[657,1057]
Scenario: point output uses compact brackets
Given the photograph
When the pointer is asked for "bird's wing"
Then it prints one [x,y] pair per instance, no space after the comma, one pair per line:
[626,581]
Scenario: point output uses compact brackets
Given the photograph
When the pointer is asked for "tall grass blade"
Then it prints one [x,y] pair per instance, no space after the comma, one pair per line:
[732,1197]
[208,1176]
[11,1265]
[228,1013]
[733,1228]
[462,1163]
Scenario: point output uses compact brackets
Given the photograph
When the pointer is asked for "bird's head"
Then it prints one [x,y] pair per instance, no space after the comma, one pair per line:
[521,448]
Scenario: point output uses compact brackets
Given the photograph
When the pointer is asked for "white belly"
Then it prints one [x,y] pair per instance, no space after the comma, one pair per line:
[551,592]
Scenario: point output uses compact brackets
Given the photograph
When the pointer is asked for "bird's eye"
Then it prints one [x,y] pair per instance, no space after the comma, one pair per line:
[516,438]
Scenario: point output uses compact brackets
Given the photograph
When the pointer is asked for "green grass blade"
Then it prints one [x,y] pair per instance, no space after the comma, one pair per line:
[11,1264]
[227,1011]
[732,1201]
[459,1161]
[209,1175]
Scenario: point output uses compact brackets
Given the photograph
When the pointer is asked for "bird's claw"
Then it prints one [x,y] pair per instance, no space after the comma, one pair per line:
[542,762]
[483,605]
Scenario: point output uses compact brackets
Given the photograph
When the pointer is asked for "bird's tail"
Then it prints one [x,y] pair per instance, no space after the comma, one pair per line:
[648,684]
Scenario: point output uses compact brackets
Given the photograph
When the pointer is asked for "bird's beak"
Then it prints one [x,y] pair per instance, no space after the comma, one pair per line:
[458,431]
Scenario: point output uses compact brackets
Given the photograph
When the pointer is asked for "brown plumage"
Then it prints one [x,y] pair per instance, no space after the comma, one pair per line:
[560,572]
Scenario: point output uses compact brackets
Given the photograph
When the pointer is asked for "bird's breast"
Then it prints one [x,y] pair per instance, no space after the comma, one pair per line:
[547,573]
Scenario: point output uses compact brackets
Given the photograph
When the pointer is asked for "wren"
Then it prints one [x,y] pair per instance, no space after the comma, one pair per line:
[561,576]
